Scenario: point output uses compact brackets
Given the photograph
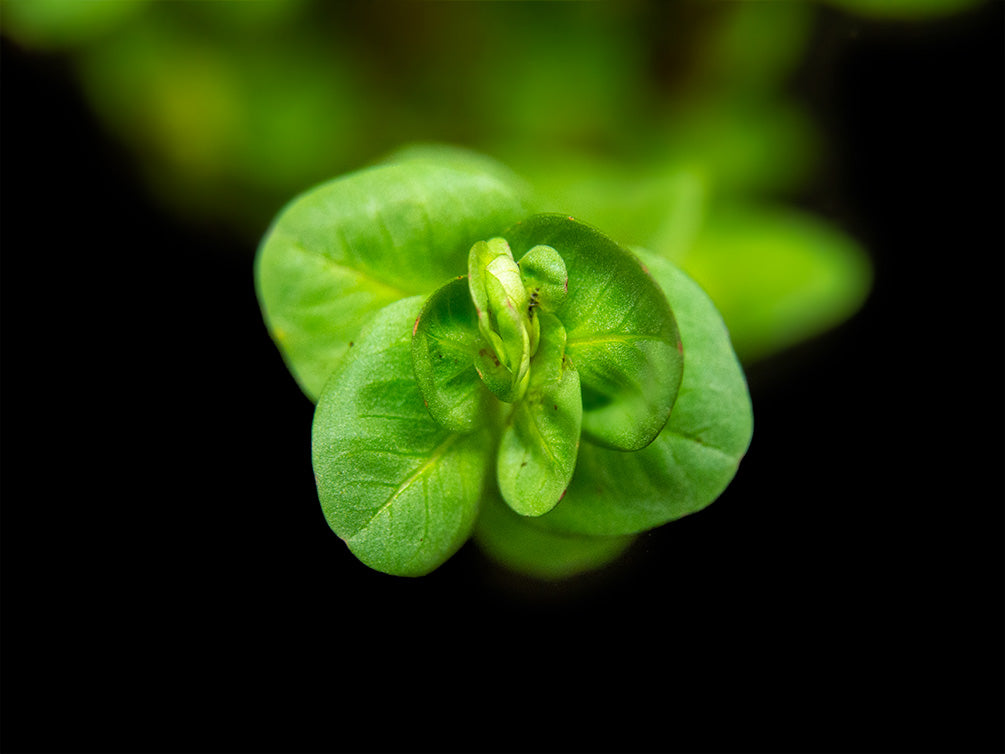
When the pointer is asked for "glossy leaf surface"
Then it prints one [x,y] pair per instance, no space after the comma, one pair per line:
[697,453]
[445,344]
[399,489]
[622,335]
[537,451]
[343,250]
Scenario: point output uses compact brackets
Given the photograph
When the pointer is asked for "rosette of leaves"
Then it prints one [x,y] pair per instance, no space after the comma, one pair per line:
[482,369]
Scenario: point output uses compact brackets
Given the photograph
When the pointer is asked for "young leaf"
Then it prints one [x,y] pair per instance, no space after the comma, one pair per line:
[697,453]
[445,344]
[545,278]
[399,489]
[480,256]
[537,452]
[622,335]
[500,300]
[343,250]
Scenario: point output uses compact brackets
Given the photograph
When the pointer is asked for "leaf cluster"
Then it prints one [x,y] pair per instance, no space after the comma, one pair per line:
[482,369]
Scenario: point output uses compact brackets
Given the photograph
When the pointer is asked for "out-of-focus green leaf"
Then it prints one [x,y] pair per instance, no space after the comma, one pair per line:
[745,145]
[63,24]
[695,456]
[752,48]
[225,127]
[778,276]
[402,491]
[905,10]
[341,251]
[516,543]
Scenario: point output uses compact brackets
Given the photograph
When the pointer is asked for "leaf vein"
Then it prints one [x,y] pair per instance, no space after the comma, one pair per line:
[417,475]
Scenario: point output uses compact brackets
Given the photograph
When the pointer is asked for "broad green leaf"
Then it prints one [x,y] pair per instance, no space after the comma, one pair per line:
[777,276]
[515,542]
[622,336]
[445,343]
[399,489]
[342,251]
[697,453]
[537,451]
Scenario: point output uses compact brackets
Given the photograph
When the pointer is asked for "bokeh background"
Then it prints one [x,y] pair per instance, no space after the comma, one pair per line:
[831,172]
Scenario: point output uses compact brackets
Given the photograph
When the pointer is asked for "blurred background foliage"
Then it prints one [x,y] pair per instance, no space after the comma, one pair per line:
[672,126]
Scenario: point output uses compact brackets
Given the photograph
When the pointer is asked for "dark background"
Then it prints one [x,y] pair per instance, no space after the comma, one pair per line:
[169,582]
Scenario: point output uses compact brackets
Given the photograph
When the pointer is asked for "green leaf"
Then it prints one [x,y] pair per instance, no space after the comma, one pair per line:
[545,278]
[515,542]
[399,489]
[445,344]
[345,249]
[778,276]
[500,300]
[697,453]
[537,452]
[622,335]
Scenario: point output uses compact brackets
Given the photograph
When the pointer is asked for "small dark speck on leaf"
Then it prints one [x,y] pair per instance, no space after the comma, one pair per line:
[351,344]
[554,406]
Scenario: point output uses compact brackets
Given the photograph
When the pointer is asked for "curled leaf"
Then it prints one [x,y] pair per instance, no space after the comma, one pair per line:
[445,345]
[501,303]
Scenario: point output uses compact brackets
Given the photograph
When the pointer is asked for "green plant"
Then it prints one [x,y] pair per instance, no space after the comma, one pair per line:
[483,368]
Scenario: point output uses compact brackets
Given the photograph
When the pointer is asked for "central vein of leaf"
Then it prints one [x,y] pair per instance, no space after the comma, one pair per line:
[419,474]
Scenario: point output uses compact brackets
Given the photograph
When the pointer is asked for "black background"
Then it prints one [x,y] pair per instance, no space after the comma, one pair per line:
[170,584]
